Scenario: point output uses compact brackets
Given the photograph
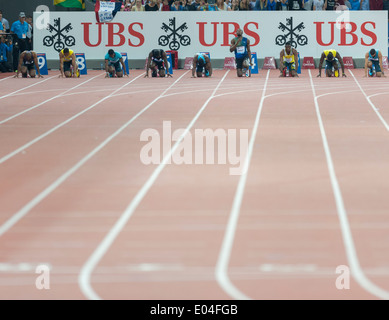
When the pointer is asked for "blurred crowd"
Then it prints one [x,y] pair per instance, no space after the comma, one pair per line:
[15,37]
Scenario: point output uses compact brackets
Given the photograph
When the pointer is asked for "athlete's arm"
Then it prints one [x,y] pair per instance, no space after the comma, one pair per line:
[341,63]
[19,65]
[164,56]
[74,63]
[296,60]
[234,43]
[321,63]
[194,65]
[61,64]
[249,50]
[281,60]
[124,67]
[36,64]
[148,64]
[208,66]
[380,59]
[106,69]
[366,61]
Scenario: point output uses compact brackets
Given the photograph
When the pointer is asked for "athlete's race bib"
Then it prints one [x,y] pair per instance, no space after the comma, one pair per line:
[240,49]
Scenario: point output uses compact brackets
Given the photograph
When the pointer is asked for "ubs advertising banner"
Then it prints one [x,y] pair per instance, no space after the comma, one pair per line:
[137,33]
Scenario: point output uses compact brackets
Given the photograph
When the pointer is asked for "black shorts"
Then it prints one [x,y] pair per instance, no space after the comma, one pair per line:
[376,65]
[332,63]
[30,66]
[159,64]
[67,66]
[116,65]
[200,68]
[239,62]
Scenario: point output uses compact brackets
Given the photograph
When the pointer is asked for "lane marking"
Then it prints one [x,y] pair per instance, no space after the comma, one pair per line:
[371,103]
[41,196]
[221,270]
[348,241]
[103,247]
[42,103]
[34,84]
[29,144]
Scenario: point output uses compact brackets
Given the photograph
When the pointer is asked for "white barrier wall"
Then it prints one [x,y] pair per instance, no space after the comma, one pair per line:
[137,33]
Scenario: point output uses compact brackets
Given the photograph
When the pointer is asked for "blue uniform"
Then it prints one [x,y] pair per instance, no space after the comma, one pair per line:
[114,61]
[200,66]
[3,51]
[241,52]
[20,29]
[375,61]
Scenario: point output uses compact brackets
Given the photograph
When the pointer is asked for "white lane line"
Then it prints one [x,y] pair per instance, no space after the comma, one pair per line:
[103,247]
[371,103]
[41,196]
[6,78]
[27,145]
[221,270]
[348,241]
[34,84]
[44,102]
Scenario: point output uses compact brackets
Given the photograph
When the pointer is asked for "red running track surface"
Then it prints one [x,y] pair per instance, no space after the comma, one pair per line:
[75,196]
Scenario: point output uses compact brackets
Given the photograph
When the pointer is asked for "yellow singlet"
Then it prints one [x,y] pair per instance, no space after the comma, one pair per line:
[289,58]
[68,57]
[326,52]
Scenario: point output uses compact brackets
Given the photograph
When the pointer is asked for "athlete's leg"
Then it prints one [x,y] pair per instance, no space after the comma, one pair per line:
[23,70]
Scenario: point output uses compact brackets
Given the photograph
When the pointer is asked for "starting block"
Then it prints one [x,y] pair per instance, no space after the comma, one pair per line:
[348,62]
[188,64]
[229,63]
[385,63]
[81,63]
[269,63]
[308,63]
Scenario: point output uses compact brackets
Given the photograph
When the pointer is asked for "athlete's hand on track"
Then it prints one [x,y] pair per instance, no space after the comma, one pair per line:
[318,76]
[60,76]
[40,76]
[169,75]
[344,75]
[16,75]
[146,75]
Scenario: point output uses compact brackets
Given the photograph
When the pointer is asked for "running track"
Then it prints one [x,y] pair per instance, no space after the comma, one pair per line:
[74,195]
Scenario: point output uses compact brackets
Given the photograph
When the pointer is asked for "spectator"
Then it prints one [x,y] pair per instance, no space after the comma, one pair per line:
[30,33]
[295,5]
[252,4]
[376,4]
[151,6]
[386,6]
[203,6]
[138,6]
[194,5]
[329,5]
[19,29]
[222,6]
[175,6]
[165,5]
[318,5]
[184,5]
[271,5]
[355,4]
[244,5]
[260,5]
[2,28]
[127,6]
[212,5]
[4,22]
[235,5]
[347,4]
[284,5]
[365,5]
[308,5]
[4,49]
